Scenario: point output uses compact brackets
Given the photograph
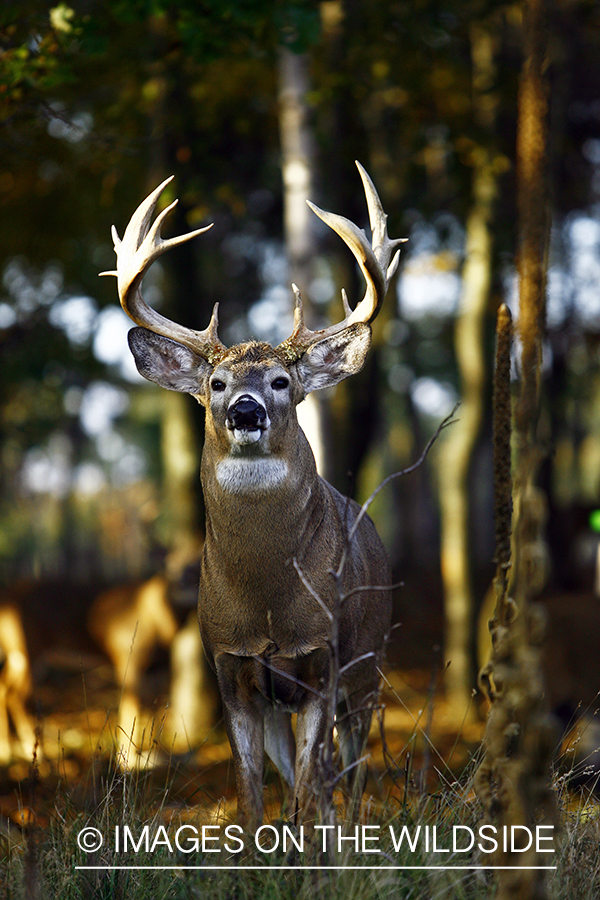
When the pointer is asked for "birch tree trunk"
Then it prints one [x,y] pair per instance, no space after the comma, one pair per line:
[297,166]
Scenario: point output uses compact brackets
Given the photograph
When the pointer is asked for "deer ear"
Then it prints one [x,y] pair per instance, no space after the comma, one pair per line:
[167,362]
[329,361]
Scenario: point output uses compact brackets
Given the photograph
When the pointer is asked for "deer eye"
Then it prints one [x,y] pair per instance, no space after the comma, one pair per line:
[280,384]
[217,385]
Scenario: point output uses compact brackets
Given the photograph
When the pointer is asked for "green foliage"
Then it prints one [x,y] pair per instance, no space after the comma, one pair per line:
[36,56]
[210,28]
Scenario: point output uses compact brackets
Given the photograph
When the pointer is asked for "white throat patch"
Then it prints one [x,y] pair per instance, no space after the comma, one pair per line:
[242,476]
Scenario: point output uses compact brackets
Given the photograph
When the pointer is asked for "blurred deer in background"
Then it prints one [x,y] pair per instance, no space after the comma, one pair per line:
[128,623]
[15,686]
[275,531]
[52,624]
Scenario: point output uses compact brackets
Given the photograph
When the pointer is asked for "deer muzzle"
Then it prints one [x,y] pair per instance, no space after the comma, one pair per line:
[247,418]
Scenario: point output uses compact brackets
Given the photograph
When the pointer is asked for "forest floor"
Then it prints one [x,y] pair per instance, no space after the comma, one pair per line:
[418,745]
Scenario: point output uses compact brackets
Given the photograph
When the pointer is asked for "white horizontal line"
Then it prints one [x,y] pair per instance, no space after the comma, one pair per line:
[240,868]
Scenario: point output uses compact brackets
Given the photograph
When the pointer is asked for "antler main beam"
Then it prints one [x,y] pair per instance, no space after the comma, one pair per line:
[377,259]
[142,244]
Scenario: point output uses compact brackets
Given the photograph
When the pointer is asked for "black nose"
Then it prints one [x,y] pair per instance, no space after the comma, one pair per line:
[246,413]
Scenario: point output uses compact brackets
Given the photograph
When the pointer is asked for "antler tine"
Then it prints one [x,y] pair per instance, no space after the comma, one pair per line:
[383,247]
[378,262]
[141,245]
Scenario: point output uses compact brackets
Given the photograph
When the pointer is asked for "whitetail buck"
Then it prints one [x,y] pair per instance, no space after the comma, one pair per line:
[263,628]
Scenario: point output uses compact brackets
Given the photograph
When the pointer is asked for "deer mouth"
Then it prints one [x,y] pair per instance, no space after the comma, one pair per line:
[247,435]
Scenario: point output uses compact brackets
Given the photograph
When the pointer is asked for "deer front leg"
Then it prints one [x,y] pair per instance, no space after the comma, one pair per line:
[245,730]
[23,725]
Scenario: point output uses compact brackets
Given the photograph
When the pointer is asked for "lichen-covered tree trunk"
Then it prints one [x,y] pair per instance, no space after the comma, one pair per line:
[461,441]
[513,781]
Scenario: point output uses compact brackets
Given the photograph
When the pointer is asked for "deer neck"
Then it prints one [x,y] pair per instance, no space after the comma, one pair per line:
[269,500]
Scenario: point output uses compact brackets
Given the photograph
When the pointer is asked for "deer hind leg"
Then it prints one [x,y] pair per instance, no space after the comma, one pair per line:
[310,733]
[192,701]
[129,731]
[353,722]
[280,745]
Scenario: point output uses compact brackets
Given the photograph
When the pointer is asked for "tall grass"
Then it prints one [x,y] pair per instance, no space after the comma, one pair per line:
[43,859]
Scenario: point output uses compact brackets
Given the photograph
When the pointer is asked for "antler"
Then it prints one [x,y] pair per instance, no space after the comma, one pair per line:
[377,261]
[141,245]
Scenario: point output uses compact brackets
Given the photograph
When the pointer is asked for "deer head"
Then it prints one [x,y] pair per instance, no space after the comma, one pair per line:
[183,359]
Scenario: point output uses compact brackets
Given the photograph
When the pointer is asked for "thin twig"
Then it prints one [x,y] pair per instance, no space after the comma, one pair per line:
[449,420]
[375,587]
[353,765]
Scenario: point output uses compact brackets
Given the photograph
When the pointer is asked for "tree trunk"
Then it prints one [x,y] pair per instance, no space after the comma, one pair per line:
[297,166]
[513,780]
[458,450]
[181,472]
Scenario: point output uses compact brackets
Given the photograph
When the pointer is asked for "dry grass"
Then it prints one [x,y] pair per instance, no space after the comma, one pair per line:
[41,858]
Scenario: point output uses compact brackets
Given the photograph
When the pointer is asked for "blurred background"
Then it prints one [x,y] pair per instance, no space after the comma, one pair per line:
[255,107]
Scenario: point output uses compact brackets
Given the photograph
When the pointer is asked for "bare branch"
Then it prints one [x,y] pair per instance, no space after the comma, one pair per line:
[349,768]
[358,659]
[289,677]
[372,587]
[311,590]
